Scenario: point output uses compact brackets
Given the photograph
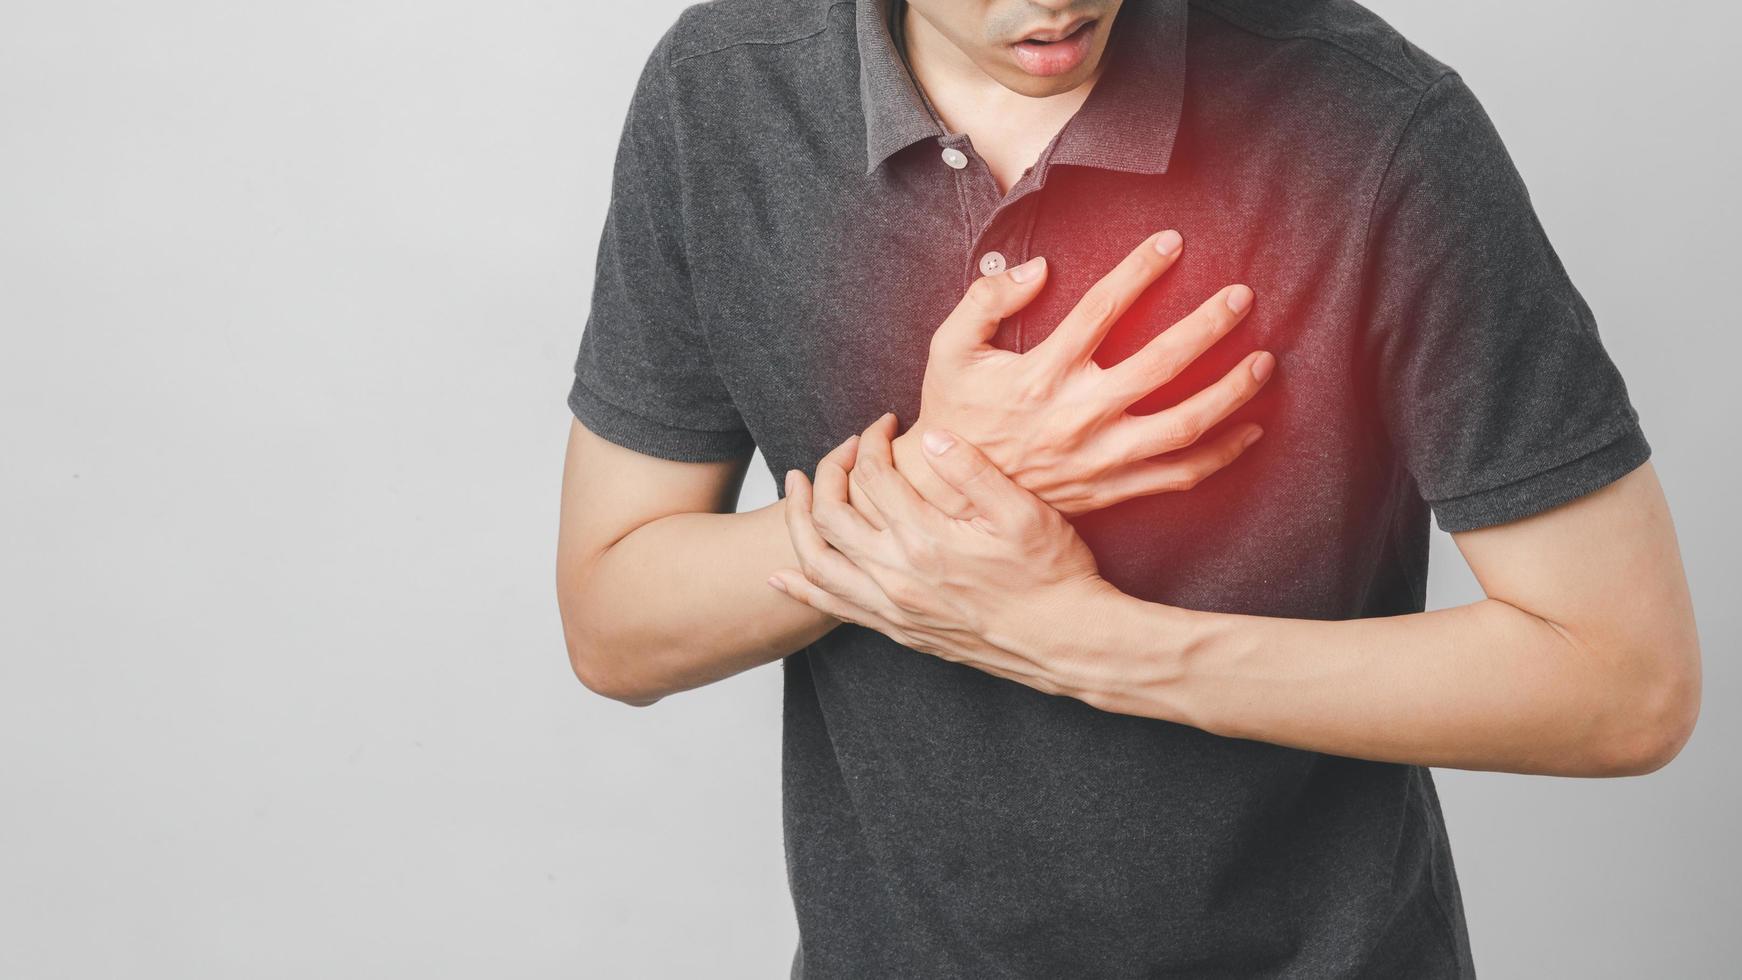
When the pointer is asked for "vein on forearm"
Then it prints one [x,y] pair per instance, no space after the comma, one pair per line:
[1486,685]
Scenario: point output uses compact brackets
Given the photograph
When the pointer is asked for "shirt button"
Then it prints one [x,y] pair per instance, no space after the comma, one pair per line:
[991,263]
[955,158]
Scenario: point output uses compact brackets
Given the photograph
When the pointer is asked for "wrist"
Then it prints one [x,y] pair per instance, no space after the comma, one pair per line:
[1118,653]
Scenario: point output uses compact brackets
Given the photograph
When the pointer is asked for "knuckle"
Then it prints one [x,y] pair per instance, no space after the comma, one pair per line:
[1086,463]
[1171,483]
[982,294]
[906,593]
[1098,304]
[1178,480]
[1171,433]
[1036,384]
[1030,523]
[826,510]
[922,553]
[959,510]
[1164,366]
[1103,458]
[1203,327]
[1208,329]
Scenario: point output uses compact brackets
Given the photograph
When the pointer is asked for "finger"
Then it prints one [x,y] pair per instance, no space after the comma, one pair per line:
[1169,352]
[822,600]
[877,442]
[1142,436]
[833,514]
[1081,331]
[1175,472]
[962,465]
[883,435]
[908,513]
[987,302]
[856,493]
[819,562]
[844,455]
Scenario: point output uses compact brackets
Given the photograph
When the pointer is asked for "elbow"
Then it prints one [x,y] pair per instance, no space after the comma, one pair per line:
[596,674]
[589,652]
[1662,709]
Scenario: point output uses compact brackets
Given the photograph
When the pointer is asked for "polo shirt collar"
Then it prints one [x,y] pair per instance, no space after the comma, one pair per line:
[1144,80]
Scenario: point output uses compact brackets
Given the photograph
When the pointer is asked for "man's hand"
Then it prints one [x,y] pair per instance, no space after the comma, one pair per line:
[960,590]
[1053,419]
[1583,659]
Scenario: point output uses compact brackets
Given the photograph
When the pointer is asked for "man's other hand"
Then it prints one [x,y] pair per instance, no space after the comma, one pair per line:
[1053,420]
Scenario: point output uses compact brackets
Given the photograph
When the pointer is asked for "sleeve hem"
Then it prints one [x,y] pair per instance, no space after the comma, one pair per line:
[1557,485]
[652,437]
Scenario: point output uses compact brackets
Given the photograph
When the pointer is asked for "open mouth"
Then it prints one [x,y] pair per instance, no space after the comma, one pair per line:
[1055,52]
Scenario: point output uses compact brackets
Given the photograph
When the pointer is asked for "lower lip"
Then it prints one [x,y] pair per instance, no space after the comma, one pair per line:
[1057,58]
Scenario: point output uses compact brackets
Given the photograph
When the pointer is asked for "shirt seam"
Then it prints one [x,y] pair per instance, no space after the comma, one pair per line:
[1382,439]
[669,121]
[1309,34]
[1448,928]
[702,324]
[1391,163]
[766,42]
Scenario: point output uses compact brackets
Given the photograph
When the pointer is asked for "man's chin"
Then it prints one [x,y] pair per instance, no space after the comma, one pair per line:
[1042,86]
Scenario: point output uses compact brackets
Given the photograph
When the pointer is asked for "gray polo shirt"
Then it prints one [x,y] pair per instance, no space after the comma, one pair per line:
[789,225]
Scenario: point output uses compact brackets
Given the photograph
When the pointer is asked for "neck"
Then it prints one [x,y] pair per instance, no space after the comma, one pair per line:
[963,94]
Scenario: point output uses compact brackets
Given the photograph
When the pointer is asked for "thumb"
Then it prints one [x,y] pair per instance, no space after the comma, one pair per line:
[962,465]
[986,303]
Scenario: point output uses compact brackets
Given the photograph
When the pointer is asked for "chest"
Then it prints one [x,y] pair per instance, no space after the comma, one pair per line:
[821,290]
[821,293]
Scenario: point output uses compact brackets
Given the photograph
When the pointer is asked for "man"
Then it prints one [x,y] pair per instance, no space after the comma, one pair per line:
[1057,705]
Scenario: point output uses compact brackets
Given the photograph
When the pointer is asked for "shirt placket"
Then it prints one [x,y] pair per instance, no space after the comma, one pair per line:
[998,227]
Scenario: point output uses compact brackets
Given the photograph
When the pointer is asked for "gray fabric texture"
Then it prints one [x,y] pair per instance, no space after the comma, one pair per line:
[782,241]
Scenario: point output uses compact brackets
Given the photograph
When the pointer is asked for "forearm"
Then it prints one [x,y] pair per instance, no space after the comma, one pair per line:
[1483,686]
[682,601]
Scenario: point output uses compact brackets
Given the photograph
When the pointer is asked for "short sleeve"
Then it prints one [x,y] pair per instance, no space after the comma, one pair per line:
[1488,375]
[645,377]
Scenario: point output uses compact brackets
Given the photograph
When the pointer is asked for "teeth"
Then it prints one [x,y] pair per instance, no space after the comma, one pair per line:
[1042,39]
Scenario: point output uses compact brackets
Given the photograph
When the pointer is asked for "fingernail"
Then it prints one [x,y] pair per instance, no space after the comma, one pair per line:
[1027,271]
[1239,298]
[1251,437]
[774,580]
[1262,364]
[787,480]
[1169,242]
[937,442]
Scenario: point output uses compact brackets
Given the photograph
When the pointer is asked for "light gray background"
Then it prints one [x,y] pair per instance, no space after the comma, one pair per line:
[290,294]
